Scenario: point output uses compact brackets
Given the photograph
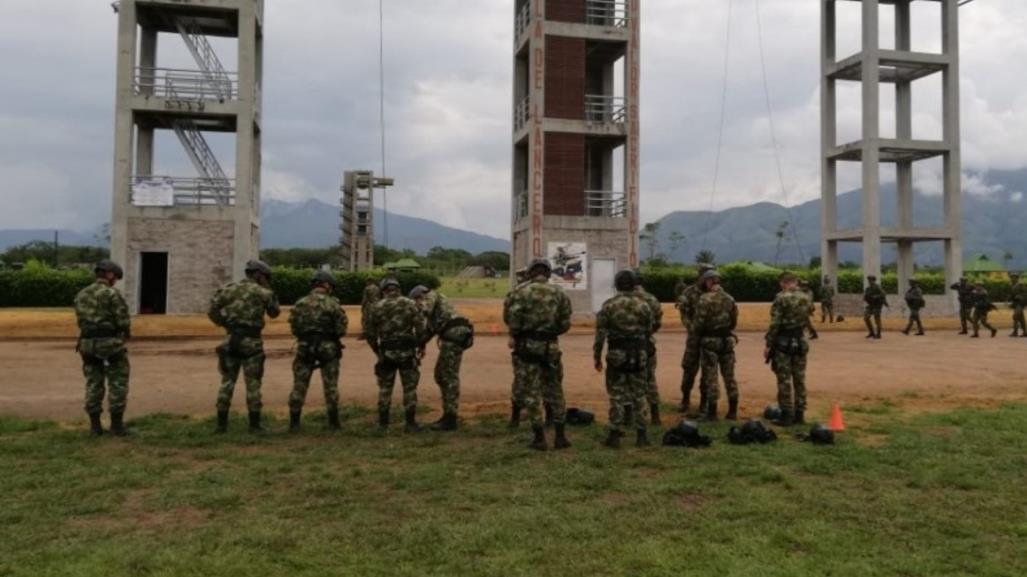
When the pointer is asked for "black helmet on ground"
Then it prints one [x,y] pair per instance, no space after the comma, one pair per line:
[772,413]
[821,435]
[685,434]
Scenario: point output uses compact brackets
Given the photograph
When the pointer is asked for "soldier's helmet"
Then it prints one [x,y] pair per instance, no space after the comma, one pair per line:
[703,267]
[540,263]
[826,278]
[322,277]
[787,277]
[258,267]
[105,266]
[710,274]
[418,291]
[821,435]
[962,279]
[624,280]
[772,413]
[871,277]
[913,282]
[388,283]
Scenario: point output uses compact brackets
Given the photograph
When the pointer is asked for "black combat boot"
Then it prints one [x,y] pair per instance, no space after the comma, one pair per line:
[994,332]
[654,412]
[515,417]
[383,419]
[118,425]
[800,416]
[613,439]
[642,438]
[1015,333]
[448,422]
[294,420]
[711,411]
[95,425]
[561,441]
[785,420]
[333,418]
[222,423]
[703,401]
[686,404]
[814,335]
[732,410]
[539,442]
[411,421]
[255,426]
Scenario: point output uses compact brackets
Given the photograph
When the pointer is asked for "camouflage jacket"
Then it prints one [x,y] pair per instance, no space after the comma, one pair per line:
[827,293]
[982,301]
[809,294]
[875,297]
[788,316]
[318,314]
[508,302]
[687,304]
[372,294]
[443,321]
[1018,295]
[716,315]
[396,322]
[539,309]
[625,320]
[915,298]
[99,308]
[242,304]
[654,307]
[965,292]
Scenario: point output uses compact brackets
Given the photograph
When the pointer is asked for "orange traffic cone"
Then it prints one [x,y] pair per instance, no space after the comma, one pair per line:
[495,330]
[836,424]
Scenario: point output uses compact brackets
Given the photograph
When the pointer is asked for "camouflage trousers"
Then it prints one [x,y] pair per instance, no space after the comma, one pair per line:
[718,357]
[409,377]
[914,319]
[543,383]
[872,319]
[106,369]
[980,318]
[248,357]
[326,357]
[1019,323]
[827,311]
[789,363]
[965,316]
[517,388]
[447,375]
[652,390]
[690,363]
[627,391]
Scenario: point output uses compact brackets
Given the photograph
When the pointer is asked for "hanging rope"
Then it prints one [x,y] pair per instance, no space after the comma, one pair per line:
[720,130]
[381,111]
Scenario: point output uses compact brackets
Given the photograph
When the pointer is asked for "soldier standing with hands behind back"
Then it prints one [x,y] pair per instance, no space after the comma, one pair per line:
[396,333]
[318,322]
[715,320]
[239,308]
[686,305]
[827,293]
[652,394]
[104,326]
[786,350]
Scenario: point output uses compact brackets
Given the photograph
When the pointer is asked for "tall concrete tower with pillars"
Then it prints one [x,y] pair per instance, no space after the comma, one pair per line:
[900,66]
[576,141]
[179,236]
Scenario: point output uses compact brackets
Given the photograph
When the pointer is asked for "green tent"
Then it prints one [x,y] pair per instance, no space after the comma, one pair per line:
[402,265]
[981,264]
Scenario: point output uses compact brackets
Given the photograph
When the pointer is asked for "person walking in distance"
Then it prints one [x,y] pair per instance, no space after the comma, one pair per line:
[965,292]
[875,299]
[1017,301]
[915,301]
[982,306]
[827,293]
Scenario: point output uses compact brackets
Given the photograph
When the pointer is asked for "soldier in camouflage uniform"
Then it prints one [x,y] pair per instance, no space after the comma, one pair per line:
[396,332]
[786,350]
[104,326]
[517,388]
[686,305]
[1017,301]
[805,287]
[982,306]
[715,320]
[456,335]
[965,291]
[539,313]
[239,308]
[625,323]
[827,293]
[875,299]
[318,322]
[372,294]
[652,393]
[915,301]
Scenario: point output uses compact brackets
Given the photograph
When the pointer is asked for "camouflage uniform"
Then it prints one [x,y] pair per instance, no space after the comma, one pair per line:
[239,307]
[539,313]
[715,319]
[1018,300]
[517,389]
[965,292]
[805,287]
[626,323]
[456,334]
[318,322]
[686,305]
[652,390]
[396,330]
[103,324]
[982,306]
[915,301]
[372,294]
[875,299]
[827,293]
[788,350]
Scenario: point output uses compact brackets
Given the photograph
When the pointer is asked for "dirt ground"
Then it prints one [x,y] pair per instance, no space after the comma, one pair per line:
[41,377]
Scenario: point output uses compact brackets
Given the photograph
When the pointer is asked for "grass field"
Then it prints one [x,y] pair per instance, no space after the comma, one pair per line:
[474,288]
[913,495]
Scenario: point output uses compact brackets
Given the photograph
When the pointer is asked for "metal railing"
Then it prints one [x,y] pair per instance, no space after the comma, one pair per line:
[186,191]
[601,108]
[520,200]
[202,51]
[610,13]
[185,85]
[522,113]
[522,20]
[605,203]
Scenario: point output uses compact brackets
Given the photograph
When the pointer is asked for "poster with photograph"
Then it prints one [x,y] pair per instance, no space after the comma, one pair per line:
[570,264]
[153,192]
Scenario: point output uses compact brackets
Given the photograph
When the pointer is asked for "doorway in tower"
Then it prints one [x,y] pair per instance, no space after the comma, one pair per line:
[153,283]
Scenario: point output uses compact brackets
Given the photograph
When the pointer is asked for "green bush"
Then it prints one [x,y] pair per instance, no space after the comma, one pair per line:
[292,284]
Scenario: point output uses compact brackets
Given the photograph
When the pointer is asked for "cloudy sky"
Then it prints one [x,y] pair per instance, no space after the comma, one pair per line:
[448,78]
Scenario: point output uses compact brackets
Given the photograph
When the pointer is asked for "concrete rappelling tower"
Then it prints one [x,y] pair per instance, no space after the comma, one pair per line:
[901,67]
[576,141]
[180,236]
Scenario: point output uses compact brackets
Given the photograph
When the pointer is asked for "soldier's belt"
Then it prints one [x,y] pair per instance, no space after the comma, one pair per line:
[540,336]
[718,334]
[316,336]
[245,332]
[100,334]
[404,344]
[790,334]
[628,343]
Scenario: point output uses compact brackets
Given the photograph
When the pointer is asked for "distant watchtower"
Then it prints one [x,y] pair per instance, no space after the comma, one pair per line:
[357,213]
[576,141]
[180,236]
[901,67]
